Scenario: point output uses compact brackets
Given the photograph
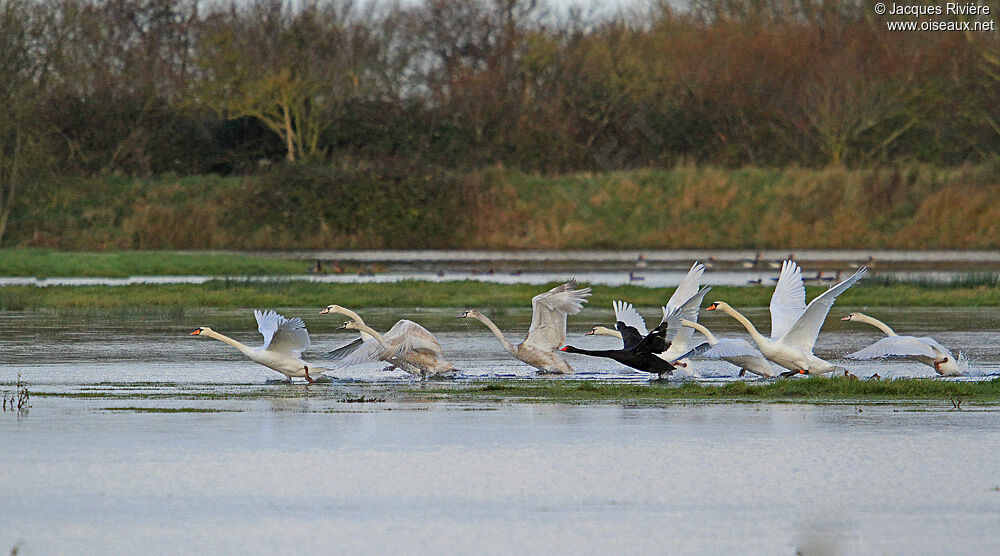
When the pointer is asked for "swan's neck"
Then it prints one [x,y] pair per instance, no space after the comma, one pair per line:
[352,315]
[712,340]
[362,327]
[496,332]
[877,324]
[245,349]
[757,337]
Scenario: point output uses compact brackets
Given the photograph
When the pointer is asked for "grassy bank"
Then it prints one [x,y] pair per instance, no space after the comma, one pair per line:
[811,390]
[467,293]
[911,207]
[46,262]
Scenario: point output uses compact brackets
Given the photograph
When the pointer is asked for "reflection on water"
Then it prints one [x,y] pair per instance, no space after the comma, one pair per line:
[316,475]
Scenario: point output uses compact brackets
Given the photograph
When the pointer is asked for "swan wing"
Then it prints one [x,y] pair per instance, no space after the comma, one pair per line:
[660,338]
[627,314]
[688,286]
[788,300]
[689,311]
[368,351]
[695,351]
[412,337]
[343,351]
[548,315]
[281,334]
[894,346]
[934,344]
[732,347]
[805,329]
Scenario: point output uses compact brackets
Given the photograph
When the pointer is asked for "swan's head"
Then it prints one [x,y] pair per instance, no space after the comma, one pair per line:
[331,309]
[470,314]
[601,331]
[201,330]
[348,325]
[717,305]
[852,316]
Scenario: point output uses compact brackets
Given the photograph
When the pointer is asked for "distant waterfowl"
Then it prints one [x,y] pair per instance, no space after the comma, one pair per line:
[739,352]
[414,349]
[548,327]
[284,342]
[643,355]
[754,263]
[640,261]
[794,325]
[633,277]
[406,345]
[922,350]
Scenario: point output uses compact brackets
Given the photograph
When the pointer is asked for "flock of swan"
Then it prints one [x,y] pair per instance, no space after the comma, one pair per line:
[795,326]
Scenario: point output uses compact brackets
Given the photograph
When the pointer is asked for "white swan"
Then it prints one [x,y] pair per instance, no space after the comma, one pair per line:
[416,352]
[687,298]
[406,345]
[548,327]
[922,350]
[737,351]
[284,342]
[794,326]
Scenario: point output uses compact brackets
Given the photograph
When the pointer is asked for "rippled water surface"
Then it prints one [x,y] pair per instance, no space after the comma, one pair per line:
[276,468]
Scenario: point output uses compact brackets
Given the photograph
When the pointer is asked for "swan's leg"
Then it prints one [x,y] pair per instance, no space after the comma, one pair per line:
[309,379]
[743,373]
[787,374]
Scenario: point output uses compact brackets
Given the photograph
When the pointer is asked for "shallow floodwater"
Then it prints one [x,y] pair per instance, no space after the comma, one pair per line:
[299,468]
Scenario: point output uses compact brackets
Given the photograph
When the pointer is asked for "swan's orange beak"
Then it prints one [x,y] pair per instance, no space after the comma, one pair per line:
[195,333]
[848,317]
[324,311]
[801,372]
[712,307]
[591,333]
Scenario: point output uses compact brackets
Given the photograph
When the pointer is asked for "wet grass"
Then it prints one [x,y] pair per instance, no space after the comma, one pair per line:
[176,298]
[43,263]
[810,390]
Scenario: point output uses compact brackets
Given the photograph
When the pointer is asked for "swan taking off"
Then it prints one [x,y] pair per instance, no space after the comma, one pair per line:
[406,345]
[548,327]
[284,342]
[921,350]
[687,298]
[737,351]
[644,353]
[794,325]
[415,350]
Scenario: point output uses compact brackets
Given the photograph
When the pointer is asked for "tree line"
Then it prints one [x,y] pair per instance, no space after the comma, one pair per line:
[144,87]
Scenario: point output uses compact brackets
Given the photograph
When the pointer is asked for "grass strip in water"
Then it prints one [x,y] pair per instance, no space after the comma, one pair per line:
[116,264]
[459,293]
[807,390]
